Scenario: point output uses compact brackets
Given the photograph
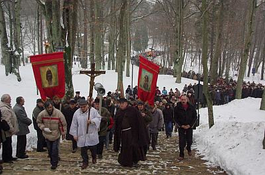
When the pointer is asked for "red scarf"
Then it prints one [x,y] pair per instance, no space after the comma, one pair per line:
[185,106]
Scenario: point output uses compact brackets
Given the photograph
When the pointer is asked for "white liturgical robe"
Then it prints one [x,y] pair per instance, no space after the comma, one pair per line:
[86,136]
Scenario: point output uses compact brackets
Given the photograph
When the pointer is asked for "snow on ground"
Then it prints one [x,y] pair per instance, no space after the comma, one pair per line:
[234,142]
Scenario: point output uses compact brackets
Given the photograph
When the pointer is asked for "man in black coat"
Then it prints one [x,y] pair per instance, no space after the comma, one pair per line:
[68,113]
[185,117]
[23,124]
[3,127]
[41,140]
[168,119]
[131,134]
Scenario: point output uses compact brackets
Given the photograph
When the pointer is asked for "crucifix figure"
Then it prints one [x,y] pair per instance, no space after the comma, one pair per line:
[92,74]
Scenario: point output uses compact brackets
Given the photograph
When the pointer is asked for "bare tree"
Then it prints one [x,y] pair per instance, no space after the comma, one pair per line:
[204,63]
[11,55]
[243,63]
[121,46]
[62,36]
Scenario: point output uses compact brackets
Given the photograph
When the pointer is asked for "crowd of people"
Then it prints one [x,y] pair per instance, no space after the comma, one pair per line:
[221,93]
[118,122]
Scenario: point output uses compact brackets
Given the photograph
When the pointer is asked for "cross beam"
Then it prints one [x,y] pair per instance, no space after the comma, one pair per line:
[92,74]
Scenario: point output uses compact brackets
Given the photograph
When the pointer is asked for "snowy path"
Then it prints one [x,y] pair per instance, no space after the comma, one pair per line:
[162,161]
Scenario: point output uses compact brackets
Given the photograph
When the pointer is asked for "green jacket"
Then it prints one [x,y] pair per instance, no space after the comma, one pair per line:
[147,117]
[105,120]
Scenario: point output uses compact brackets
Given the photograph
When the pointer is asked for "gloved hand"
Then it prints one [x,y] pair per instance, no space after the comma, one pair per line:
[47,130]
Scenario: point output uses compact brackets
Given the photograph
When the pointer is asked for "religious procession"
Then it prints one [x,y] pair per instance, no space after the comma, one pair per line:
[132,87]
[128,125]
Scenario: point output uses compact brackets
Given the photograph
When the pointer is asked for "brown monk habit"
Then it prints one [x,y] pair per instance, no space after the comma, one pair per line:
[130,135]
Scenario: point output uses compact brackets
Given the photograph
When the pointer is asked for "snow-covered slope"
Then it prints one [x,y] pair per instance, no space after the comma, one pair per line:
[234,142]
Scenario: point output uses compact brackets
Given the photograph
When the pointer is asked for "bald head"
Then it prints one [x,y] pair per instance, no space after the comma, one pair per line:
[6,98]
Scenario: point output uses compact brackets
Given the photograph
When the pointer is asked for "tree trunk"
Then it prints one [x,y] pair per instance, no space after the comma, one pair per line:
[212,35]
[39,33]
[121,45]
[222,65]
[179,41]
[204,63]
[70,24]
[9,55]
[128,38]
[243,63]
[262,69]
[11,23]
[227,65]
[112,36]
[4,43]
[217,53]
[52,18]
[263,59]
[257,43]
[66,37]
[98,31]
[85,44]
[92,31]
[17,28]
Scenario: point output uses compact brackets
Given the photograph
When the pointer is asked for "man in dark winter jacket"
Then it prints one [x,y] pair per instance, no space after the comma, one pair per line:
[68,113]
[23,125]
[41,140]
[111,108]
[147,116]
[185,118]
[168,119]
[105,119]
[3,127]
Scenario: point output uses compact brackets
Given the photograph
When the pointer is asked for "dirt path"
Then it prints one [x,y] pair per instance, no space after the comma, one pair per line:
[162,161]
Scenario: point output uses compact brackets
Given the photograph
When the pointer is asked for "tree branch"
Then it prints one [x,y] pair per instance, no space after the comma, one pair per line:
[167,13]
[191,15]
[144,16]
[137,6]
[41,4]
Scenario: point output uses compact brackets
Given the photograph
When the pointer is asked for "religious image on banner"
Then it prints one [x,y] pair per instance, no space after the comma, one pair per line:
[146,80]
[49,76]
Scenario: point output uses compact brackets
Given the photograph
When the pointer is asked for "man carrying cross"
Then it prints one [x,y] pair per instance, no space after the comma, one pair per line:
[84,129]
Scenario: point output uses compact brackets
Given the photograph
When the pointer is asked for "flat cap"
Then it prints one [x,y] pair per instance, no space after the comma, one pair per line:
[82,102]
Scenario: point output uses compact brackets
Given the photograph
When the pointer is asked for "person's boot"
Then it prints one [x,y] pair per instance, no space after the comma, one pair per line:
[189,153]
[180,158]
[100,156]
[84,165]
[94,160]
[53,167]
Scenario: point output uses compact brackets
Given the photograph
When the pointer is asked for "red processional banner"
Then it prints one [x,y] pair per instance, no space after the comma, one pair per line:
[49,74]
[147,78]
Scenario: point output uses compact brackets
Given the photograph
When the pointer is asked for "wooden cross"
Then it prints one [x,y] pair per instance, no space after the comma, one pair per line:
[92,74]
